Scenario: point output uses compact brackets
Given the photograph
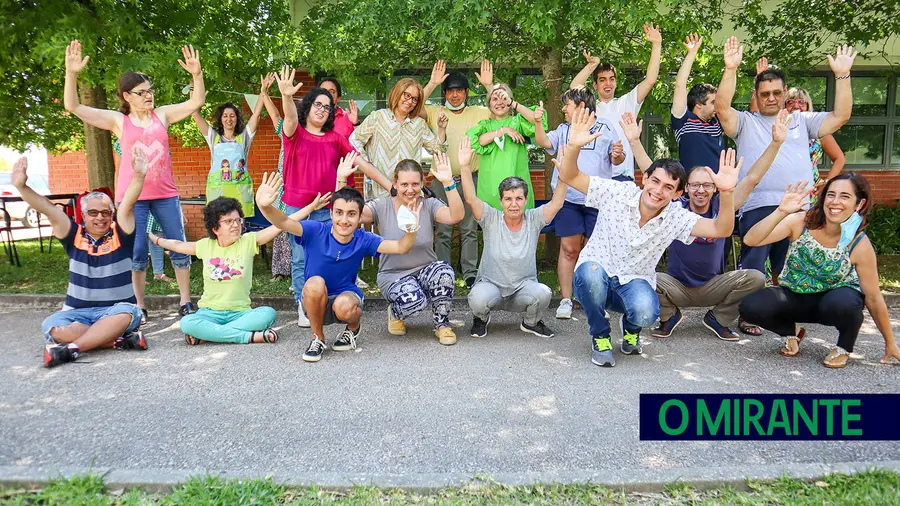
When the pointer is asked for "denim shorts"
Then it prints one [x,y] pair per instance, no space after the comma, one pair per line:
[89,316]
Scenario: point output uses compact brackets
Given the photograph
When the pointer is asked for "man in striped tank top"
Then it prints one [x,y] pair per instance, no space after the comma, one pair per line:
[100,309]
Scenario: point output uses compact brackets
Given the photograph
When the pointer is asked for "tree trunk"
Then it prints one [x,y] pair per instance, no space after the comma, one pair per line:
[98,143]
[551,69]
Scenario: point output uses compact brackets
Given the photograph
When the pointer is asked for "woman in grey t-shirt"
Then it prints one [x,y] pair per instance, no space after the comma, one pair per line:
[413,280]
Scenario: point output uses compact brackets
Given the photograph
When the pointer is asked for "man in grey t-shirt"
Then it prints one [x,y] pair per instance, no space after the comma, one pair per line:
[507,277]
[753,132]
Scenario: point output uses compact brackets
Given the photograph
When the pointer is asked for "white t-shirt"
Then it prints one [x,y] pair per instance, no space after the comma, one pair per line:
[613,111]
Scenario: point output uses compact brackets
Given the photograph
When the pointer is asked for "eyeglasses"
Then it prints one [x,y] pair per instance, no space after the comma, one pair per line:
[706,186]
[231,221]
[409,98]
[796,102]
[93,213]
[322,107]
[149,92]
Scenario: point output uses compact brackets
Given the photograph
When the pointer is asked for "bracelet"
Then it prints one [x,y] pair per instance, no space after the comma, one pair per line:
[842,77]
[157,240]
[451,187]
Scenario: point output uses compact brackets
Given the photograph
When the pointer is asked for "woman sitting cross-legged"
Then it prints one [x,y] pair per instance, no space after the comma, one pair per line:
[227,255]
[410,281]
[830,272]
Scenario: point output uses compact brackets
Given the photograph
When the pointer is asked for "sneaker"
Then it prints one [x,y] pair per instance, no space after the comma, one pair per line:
[55,354]
[631,343]
[479,326]
[302,320]
[134,340]
[470,282]
[315,350]
[602,354]
[361,284]
[346,341]
[445,335]
[538,329]
[722,332]
[187,308]
[666,328]
[564,311]
[396,326]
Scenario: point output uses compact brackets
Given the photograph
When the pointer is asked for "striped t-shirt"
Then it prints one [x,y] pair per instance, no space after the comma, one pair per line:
[99,270]
[699,141]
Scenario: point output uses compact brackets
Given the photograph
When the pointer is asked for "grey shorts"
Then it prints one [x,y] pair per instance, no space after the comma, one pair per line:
[330,317]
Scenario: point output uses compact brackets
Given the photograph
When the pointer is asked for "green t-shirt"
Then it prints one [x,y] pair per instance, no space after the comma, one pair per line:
[227,273]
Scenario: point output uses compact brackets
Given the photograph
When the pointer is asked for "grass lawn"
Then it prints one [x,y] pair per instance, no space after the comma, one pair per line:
[47,273]
[871,487]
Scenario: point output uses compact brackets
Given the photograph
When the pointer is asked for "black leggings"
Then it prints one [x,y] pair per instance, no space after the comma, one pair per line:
[777,309]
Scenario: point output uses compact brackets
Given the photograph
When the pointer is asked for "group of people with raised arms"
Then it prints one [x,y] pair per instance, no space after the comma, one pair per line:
[613,232]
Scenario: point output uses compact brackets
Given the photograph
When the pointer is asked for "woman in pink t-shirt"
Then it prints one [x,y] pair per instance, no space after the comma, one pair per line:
[139,123]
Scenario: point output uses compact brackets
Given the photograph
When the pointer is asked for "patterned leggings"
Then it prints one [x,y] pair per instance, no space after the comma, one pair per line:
[410,294]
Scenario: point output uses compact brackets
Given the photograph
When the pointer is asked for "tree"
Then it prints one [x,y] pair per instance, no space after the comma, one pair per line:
[238,41]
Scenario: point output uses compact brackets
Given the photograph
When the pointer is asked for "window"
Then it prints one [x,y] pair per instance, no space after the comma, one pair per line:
[871,139]
[870,96]
[817,86]
[862,144]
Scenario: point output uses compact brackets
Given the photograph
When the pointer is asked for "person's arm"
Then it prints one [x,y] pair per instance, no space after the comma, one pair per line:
[559,194]
[406,242]
[762,65]
[363,134]
[831,149]
[201,123]
[762,164]
[265,198]
[288,90]
[632,131]
[580,79]
[454,211]
[579,136]
[465,178]
[260,103]
[442,123]
[271,108]
[679,98]
[171,114]
[438,75]
[785,222]
[487,138]
[268,234]
[125,211]
[183,247]
[728,117]
[367,217]
[540,133]
[58,219]
[726,181]
[373,173]
[840,65]
[100,118]
[653,34]
[866,264]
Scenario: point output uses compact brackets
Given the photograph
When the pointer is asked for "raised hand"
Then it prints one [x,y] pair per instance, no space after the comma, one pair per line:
[265,82]
[762,65]
[443,120]
[652,33]
[727,177]
[692,43]
[74,62]
[733,53]
[20,173]
[593,61]
[139,160]
[440,168]
[438,73]
[486,76]
[353,112]
[580,133]
[617,149]
[286,81]
[464,153]
[191,61]
[321,200]
[268,189]
[795,197]
[539,113]
[346,166]
[780,127]
[631,128]
[842,61]
[560,155]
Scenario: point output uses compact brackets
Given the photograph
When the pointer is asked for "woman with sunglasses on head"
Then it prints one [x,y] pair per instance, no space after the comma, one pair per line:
[830,272]
[139,123]
[799,99]
[388,136]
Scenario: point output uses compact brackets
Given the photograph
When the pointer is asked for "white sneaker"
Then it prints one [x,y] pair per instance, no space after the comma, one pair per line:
[361,284]
[564,311]
[302,320]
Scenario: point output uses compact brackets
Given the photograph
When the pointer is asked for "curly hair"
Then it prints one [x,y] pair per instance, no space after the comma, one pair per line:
[306,103]
[217,208]
[238,124]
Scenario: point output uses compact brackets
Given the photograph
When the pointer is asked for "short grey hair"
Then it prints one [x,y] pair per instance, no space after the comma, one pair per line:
[513,183]
[96,195]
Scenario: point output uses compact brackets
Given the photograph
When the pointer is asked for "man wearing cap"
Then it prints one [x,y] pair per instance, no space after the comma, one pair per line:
[461,117]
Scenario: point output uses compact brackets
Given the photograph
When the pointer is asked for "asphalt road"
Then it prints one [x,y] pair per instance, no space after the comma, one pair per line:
[508,403]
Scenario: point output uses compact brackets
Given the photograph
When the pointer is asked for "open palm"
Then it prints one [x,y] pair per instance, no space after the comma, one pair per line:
[733,53]
[191,61]
[20,173]
[286,81]
[795,197]
[780,127]
[321,200]
[441,168]
[465,152]
[692,43]
[727,177]
[580,133]
[268,189]
[842,61]
[631,128]
[346,166]
[74,61]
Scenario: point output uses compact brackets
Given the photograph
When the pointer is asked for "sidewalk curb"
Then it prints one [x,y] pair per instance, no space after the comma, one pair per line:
[642,480]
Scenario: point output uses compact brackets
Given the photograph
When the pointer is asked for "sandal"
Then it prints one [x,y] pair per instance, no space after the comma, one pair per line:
[791,346]
[269,336]
[749,328]
[191,340]
[837,359]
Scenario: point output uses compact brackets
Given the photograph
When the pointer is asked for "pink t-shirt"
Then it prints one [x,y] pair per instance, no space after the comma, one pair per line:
[342,124]
[310,164]
[160,182]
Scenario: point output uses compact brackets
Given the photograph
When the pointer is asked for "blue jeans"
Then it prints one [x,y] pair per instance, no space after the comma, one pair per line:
[297,257]
[596,292]
[89,316]
[168,214]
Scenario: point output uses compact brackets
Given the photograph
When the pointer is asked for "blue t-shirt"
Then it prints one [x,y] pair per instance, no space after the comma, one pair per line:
[337,263]
[593,159]
[696,263]
[699,142]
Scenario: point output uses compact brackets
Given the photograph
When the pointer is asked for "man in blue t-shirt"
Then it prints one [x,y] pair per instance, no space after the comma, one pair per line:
[697,130]
[695,276]
[334,252]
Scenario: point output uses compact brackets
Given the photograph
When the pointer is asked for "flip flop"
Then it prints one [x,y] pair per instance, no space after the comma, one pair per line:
[786,350]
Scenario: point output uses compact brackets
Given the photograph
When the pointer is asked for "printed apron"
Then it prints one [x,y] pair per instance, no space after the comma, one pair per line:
[228,176]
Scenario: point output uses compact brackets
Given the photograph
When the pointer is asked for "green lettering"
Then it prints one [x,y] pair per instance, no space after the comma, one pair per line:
[847,417]
[779,418]
[662,417]
[812,424]
[705,420]
[829,414]
[753,418]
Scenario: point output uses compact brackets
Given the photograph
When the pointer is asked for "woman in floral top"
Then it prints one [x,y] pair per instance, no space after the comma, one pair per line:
[830,272]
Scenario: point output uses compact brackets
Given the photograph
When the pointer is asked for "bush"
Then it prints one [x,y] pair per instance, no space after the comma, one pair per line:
[884,229]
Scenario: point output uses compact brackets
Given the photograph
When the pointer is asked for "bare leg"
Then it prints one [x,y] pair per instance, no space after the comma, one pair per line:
[183,276]
[101,334]
[315,298]
[139,282]
[569,248]
[346,308]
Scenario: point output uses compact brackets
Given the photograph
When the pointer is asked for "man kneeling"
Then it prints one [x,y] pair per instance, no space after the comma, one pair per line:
[100,309]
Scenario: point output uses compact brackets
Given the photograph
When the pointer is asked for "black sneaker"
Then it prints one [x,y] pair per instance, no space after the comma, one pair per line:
[187,308]
[55,354]
[666,328]
[316,348]
[722,332]
[479,326]
[346,341]
[132,341]
[538,329]
[470,282]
